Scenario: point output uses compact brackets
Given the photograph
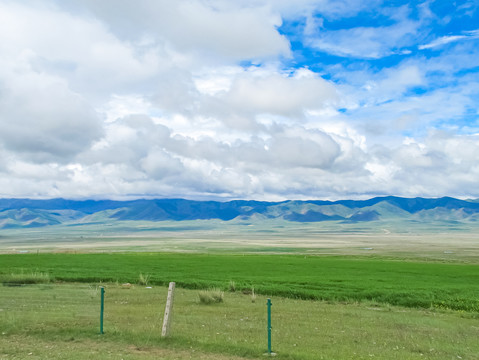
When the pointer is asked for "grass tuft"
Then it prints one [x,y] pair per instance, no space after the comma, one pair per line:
[144,279]
[211,296]
[232,286]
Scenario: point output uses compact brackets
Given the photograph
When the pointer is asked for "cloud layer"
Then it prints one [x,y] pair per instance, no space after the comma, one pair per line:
[252,99]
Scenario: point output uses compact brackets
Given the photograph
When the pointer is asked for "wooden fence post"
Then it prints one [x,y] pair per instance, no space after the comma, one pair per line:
[168,310]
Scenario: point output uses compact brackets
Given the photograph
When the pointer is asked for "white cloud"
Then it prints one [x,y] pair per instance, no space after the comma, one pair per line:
[42,119]
[443,40]
[281,95]
[366,42]
[292,152]
[331,9]
[236,33]
[82,51]
[213,81]
[158,164]
[215,30]
[120,106]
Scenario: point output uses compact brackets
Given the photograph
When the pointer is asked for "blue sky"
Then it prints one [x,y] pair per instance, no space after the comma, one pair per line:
[251,99]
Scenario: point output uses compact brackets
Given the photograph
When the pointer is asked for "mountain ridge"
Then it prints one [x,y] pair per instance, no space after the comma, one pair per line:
[18,213]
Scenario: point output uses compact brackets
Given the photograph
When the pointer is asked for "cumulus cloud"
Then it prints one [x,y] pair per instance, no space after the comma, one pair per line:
[210,99]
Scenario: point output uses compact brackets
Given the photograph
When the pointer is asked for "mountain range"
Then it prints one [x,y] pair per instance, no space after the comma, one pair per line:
[27,213]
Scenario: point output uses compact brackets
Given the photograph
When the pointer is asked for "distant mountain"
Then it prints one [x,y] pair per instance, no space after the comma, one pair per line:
[21,213]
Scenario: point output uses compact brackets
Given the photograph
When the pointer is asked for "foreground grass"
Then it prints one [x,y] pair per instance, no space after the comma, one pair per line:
[350,279]
[61,321]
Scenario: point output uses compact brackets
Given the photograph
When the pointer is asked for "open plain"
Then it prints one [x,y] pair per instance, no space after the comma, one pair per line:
[390,291]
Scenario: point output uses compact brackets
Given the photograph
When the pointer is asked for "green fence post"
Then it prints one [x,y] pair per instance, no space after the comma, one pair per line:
[268,303]
[102,308]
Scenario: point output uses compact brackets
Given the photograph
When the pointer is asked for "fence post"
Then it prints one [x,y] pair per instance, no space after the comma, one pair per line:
[268,303]
[168,311]
[102,307]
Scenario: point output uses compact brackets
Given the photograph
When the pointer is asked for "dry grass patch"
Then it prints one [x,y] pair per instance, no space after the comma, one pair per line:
[211,296]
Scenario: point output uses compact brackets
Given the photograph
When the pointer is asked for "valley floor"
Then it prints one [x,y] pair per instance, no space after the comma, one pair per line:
[447,242]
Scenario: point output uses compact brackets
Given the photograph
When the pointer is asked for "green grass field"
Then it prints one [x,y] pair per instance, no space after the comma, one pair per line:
[329,307]
[346,279]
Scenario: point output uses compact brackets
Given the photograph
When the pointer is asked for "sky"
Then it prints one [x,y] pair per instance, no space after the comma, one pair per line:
[245,99]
